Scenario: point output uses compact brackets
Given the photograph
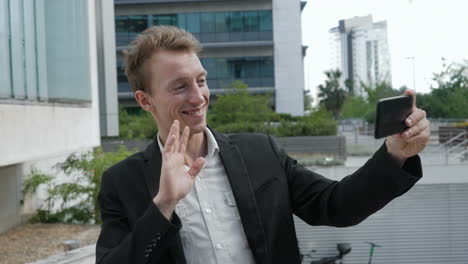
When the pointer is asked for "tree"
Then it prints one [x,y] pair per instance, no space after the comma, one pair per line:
[449,94]
[331,95]
[238,105]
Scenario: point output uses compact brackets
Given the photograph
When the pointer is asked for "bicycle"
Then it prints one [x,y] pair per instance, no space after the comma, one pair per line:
[343,249]
[371,251]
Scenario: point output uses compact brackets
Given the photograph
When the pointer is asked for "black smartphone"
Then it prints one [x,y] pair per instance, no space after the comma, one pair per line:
[391,115]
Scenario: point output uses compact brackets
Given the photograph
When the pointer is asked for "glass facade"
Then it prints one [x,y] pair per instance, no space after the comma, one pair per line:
[206,27]
[254,71]
[222,72]
[44,50]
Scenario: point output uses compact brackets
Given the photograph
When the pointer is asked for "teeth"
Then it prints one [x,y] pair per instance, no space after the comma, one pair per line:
[198,112]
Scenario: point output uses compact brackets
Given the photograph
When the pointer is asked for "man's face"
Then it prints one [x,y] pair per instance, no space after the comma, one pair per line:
[177,81]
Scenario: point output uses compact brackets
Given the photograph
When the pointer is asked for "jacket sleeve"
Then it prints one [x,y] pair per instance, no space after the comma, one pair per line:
[321,201]
[144,242]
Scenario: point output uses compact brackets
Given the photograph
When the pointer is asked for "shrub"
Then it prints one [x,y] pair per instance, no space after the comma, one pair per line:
[75,200]
[138,125]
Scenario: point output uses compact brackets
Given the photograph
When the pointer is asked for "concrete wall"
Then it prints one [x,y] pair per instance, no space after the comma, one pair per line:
[289,67]
[34,132]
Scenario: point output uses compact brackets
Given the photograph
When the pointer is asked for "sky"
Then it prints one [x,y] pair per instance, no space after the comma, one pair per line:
[424,29]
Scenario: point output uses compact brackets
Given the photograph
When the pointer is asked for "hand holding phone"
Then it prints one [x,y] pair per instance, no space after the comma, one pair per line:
[391,115]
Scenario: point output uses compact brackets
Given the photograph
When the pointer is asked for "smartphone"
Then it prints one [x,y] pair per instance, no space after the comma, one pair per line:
[391,115]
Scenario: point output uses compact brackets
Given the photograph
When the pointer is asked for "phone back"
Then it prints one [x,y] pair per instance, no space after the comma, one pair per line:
[391,114]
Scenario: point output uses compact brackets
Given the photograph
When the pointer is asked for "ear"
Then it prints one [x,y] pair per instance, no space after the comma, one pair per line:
[144,101]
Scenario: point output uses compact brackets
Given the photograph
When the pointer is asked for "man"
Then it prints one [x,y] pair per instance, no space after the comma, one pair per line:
[198,196]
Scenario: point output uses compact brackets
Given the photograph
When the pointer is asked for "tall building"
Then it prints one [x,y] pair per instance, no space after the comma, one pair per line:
[359,49]
[256,41]
[53,64]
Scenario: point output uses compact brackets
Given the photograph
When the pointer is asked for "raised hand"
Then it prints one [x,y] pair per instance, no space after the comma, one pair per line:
[175,182]
[414,139]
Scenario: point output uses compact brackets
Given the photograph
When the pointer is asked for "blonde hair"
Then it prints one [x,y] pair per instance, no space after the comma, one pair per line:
[150,41]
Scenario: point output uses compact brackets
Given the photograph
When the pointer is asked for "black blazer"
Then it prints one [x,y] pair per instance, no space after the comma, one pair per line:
[268,186]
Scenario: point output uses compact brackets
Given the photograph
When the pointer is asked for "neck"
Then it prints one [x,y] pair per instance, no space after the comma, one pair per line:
[197,146]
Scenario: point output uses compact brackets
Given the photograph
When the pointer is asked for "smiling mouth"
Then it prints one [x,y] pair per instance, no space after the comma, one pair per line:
[195,113]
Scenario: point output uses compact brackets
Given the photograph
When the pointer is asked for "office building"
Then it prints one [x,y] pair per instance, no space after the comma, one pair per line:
[257,42]
[359,49]
[54,61]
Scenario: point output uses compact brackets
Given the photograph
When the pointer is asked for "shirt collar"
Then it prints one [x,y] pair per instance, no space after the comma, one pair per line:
[213,148]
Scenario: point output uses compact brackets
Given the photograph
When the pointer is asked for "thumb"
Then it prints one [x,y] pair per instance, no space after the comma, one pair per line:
[196,167]
[411,93]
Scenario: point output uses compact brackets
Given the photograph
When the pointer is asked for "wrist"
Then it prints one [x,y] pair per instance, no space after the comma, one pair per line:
[393,154]
[165,206]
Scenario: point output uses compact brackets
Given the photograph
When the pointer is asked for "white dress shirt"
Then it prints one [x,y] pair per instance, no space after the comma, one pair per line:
[212,231]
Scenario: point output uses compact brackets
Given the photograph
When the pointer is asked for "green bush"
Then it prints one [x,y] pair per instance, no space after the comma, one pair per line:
[138,125]
[75,200]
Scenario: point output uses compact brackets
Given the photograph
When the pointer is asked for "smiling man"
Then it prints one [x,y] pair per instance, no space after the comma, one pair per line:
[199,196]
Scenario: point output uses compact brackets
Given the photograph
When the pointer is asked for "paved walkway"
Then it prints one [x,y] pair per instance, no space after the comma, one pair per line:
[84,255]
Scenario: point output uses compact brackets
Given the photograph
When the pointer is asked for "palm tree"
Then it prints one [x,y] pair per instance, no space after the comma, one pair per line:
[331,95]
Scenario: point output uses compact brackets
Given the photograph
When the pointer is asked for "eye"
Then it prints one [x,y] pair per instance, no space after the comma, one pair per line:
[201,81]
[179,87]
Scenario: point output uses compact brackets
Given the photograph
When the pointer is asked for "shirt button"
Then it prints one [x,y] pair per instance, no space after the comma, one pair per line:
[198,178]
[219,245]
[208,211]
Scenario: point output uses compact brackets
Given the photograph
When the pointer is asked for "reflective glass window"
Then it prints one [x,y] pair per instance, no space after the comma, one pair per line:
[251,23]
[266,23]
[137,24]
[181,21]
[193,22]
[221,23]
[166,20]
[208,22]
[236,22]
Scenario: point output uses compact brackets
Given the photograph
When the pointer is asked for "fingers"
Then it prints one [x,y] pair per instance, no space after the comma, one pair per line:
[184,139]
[415,117]
[416,129]
[422,136]
[172,142]
[196,167]
[411,93]
[176,133]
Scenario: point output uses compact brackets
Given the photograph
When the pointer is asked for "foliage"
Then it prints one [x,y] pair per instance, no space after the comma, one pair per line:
[355,107]
[332,95]
[74,200]
[239,106]
[449,94]
[240,111]
[374,94]
[138,125]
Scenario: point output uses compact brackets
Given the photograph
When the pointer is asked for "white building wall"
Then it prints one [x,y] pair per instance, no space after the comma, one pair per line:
[289,68]
[34,133]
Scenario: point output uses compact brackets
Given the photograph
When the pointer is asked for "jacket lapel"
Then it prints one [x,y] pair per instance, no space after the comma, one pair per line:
[152,169]
[243,192]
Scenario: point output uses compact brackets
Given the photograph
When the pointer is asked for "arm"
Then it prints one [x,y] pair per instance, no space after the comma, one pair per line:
[119,242]
[321,201]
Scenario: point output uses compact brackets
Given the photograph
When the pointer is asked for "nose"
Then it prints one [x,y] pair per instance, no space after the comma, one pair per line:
[196,94]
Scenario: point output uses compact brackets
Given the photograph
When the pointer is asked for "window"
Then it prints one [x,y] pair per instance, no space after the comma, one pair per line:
[221,22]
[208,24]
[44,48]
[193,23]
[266,23]
[251,21]
[5,74]
[166,20]
[66,24]
[235,23]
[137,24]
